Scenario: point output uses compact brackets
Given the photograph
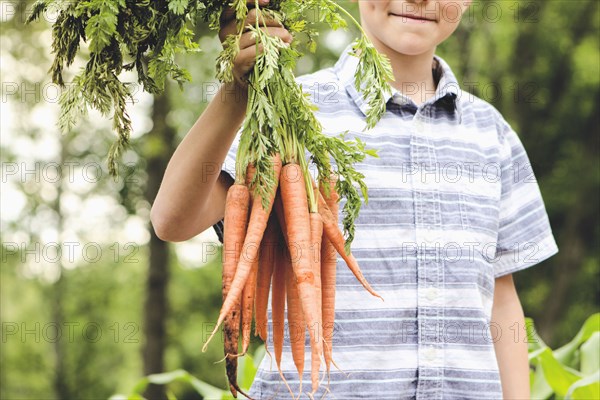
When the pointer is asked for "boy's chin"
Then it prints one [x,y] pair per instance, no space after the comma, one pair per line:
[410,48]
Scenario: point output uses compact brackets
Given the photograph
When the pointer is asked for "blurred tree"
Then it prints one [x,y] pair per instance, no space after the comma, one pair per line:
[560,122]
[160,145]
[59,177]
[547,87]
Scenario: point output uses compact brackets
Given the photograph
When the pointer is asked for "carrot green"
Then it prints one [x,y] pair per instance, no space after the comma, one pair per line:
[145,36]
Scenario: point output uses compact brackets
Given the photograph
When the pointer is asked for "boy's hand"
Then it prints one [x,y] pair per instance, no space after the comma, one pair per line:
[247,56]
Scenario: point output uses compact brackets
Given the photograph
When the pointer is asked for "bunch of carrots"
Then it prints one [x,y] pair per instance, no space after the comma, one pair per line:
[292,252]
[272,174]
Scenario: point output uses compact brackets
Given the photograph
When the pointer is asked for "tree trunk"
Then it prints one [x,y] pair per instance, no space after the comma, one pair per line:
[156,305]
[568,264]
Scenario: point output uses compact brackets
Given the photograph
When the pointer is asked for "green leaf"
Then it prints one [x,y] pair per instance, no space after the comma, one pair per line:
[38,8]
[167,377]
[534,341]
[204,389]
[590,354]
[101,27]
[140,386]
[585,388]
[246,371]
[533,355]
[558,376]
[566,353]
[178,7]
[540,390]
[259,354]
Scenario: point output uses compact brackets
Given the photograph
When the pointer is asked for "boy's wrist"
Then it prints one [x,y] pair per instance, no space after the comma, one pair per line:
[233,94]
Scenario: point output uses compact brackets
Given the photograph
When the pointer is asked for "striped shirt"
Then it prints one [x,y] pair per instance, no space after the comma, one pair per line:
[453,204]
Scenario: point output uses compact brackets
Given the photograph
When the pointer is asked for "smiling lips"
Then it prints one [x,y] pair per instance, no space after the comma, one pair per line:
[413,17]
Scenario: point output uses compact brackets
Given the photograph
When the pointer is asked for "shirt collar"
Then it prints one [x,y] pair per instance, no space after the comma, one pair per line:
[447,86]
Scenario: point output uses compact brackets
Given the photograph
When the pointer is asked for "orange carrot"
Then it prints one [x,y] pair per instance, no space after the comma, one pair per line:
[248,305]
[278,208]
[316,231]
[256,228]
[237,205]
[295,207]
[250,285]
[278,303]
[266,261]
[296,325]
[328,276]
[332,230]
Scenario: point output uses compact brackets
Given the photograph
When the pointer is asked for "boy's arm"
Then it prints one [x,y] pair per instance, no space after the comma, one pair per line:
[511,345]
[192,194]
[191,198]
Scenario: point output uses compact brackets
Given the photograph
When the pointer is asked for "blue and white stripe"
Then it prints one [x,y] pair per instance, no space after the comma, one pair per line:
[453,204]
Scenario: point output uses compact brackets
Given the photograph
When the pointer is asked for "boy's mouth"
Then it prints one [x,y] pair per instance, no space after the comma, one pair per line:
[413,17]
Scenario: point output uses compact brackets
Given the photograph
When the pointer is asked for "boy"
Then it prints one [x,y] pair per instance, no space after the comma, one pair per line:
[453,211]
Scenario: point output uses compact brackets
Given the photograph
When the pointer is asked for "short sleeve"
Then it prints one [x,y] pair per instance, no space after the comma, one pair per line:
[228,167]
[524,237]
[229,163]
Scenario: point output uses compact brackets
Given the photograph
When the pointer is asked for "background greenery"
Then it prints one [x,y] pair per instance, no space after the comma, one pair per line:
[147,306]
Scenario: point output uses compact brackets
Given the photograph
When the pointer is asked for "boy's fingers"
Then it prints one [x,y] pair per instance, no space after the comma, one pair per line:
[247,57]
[226,30]
[247,39]
[229,25]
[264,19]
[228,13]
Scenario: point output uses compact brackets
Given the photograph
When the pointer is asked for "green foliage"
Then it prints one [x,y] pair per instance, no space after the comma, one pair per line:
[102,26]
[345,153]
[98,329]
[247,368]
[570,372]
[279,117]
[122,35]
[371,77]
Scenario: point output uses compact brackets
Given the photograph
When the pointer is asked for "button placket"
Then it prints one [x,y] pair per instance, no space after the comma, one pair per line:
[430,277]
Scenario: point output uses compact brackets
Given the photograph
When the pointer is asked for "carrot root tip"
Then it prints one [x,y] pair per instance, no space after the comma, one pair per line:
[285,381]
[205,347]
[339,369]
[326,391]
[221,360]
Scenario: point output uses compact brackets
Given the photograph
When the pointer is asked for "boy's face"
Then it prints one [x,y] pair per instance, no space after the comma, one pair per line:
[410,27]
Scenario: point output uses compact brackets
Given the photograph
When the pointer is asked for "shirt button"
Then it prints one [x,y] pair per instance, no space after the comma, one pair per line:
[432,294]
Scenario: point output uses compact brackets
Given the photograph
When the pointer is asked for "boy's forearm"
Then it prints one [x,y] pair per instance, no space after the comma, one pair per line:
[178,210]
[511,346]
